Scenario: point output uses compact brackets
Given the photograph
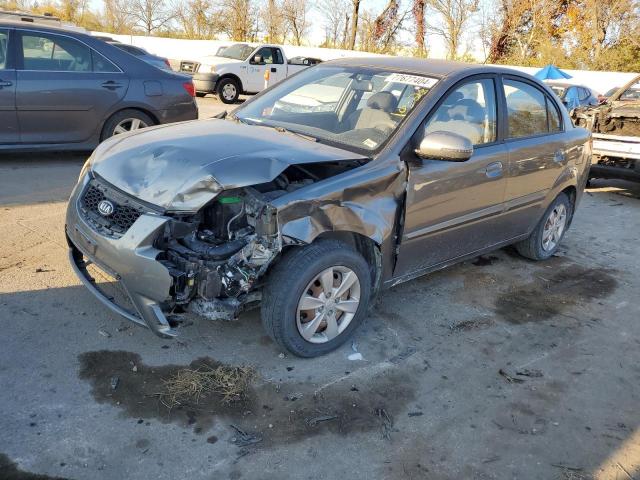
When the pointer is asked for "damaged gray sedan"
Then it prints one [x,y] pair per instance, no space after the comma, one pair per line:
[349,177]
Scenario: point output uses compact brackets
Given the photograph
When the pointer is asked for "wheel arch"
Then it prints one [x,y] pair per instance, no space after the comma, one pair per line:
[234,77]
[147,112]
[365,246]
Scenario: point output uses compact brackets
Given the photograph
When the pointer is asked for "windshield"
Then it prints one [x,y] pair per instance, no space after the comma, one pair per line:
[239,51]
[631,93]
[356,108]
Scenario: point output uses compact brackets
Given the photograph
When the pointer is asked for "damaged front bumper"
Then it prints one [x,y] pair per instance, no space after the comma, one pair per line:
[157,261]
[129,259]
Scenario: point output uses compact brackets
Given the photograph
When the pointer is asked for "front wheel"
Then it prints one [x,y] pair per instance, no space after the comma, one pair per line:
[316,297]
[228,90]
[545,238]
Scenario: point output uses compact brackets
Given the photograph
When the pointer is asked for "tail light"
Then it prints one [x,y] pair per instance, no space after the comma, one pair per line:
[190,88]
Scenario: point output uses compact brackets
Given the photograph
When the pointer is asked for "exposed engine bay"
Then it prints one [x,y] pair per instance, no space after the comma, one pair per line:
[623,120]
[217,257]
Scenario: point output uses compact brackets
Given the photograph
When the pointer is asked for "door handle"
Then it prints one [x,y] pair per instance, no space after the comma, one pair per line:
[111,85]
[274,69]
[493,170]
[558,156]
[5,84]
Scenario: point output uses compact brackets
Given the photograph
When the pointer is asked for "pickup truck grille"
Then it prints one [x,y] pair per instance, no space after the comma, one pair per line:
[189,67]
[125,211]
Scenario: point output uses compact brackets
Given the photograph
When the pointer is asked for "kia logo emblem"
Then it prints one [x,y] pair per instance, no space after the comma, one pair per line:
[105,208]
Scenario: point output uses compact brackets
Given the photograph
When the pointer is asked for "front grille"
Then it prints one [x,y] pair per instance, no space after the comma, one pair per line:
[125,211]
[189,67]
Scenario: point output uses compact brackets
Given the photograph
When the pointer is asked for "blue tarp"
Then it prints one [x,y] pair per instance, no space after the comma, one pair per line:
[551,72]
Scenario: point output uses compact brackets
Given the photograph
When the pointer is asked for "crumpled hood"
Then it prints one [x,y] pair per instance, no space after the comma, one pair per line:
[183,166]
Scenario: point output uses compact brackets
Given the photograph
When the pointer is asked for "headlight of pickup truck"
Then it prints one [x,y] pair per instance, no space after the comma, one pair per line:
[207,69]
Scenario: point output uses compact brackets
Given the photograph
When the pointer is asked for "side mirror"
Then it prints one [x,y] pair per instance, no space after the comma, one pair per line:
[257,59]
[447,146]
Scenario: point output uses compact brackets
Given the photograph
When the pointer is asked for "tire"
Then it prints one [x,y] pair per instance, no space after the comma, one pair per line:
[534,247]
[292,279]
[226,93]
[121,118]
[201,94]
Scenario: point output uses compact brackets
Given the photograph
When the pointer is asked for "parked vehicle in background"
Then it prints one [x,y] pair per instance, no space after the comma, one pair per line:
[603,98]
[417,165]
[66,90]
[240,68]
[572,95]
[142,54]
[616,133]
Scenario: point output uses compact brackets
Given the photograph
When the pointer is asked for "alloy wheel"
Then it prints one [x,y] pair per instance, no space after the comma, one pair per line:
[554,227]
[328,304]
[128,125]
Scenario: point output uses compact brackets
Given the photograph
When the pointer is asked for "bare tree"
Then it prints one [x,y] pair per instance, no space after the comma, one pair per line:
[453,15]
[239,19]
[295,13]
[196,18]
[386,26]
[336,21]
[418,16]
[354,24]
[151,15]
[116,17]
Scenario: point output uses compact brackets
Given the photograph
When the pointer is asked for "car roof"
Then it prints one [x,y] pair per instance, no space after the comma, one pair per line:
[40,26]
[560,83]
[424,66]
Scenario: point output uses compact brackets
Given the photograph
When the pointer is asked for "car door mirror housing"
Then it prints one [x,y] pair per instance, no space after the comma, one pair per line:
[447,146]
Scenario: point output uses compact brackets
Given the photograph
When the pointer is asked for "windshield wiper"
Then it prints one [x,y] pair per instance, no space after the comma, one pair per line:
[301,135]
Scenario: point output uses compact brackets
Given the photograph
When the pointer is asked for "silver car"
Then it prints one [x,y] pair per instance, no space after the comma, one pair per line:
[417,165]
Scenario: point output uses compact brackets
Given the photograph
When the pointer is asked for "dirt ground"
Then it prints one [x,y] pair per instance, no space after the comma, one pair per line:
[495,368]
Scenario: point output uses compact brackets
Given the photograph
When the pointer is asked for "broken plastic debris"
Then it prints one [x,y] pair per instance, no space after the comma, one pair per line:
[355,356]
[114,382]
[104,333]
[510,378]
[244,439]
[312,422]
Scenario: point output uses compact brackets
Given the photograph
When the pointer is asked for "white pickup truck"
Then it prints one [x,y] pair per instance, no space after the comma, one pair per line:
[242,68]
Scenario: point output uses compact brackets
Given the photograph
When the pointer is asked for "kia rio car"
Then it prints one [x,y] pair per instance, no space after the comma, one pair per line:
[65,90]
[412,166]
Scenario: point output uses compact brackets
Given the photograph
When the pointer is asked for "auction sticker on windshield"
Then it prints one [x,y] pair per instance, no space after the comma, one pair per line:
[425,82]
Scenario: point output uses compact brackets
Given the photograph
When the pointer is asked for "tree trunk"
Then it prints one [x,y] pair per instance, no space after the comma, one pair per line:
[418,15]
[354,24]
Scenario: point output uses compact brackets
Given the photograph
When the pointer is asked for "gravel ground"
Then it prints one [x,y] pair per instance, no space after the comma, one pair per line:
[495,368]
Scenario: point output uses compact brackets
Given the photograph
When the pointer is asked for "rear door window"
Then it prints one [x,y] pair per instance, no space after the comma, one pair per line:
[54,53]
[4,49]
[526,109]
[101,64]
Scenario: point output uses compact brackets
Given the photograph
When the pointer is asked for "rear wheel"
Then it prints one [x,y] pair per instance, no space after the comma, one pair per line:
[125,121]
[545,238]
[228,90]
[316,297]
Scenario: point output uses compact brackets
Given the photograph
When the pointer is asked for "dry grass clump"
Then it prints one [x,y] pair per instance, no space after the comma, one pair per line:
[192,385]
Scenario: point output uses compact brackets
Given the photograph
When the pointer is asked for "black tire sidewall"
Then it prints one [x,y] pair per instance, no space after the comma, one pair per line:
[540,252]
[221,85]
[286,330]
